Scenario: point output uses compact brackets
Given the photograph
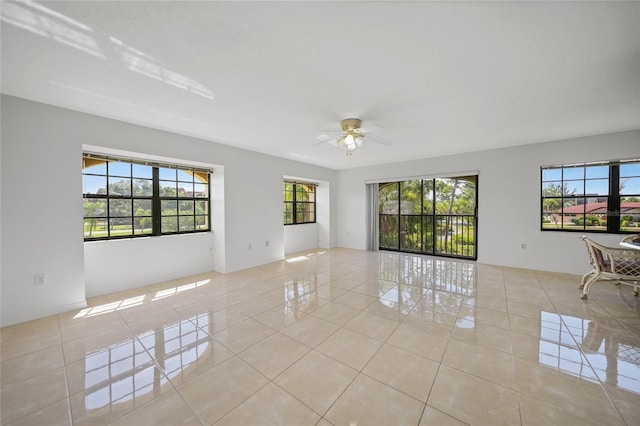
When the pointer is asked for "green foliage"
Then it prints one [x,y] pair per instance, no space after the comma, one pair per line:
[142,219]
[626,221]
[551,205]
[589,220]
[408,207]
[551,189]
[388,198]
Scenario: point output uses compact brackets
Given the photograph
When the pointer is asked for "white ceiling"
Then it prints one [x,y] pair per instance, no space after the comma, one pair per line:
[438,77]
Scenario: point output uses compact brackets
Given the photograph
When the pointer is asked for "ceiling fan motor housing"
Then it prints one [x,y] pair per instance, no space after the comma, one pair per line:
[351,124]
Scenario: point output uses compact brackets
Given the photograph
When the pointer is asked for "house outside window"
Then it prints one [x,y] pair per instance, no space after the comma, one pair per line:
[594,197]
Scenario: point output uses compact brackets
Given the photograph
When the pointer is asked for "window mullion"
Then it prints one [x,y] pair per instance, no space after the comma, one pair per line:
[399,214]
[177,209]
[584,198]
[422,215]
[156,216]
[613,201]
[108,176]
[433,215]
[293,204]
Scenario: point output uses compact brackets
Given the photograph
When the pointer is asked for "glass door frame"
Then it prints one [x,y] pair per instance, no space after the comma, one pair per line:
[428,240]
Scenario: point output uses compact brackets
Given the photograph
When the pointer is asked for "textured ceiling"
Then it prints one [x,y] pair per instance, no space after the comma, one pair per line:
[438,77]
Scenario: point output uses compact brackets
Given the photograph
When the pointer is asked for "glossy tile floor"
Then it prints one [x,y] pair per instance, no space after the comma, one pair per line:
[340,337]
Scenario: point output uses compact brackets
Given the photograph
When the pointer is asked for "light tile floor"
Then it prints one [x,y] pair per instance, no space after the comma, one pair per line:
[340,337]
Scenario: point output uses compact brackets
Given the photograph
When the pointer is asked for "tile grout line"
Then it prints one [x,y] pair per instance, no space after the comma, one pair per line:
[440,363]
[513,356]
[66,373]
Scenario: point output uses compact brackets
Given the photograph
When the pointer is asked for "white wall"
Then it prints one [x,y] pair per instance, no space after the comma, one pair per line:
[300,237]
[324,212]
[508,199]
[41,216]
[111,266]
[40,213]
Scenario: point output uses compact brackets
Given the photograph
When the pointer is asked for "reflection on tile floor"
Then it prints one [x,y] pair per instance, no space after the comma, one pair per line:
[334,337]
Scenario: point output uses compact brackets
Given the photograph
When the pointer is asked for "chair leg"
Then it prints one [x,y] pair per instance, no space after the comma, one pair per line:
[584,278]
[587,286]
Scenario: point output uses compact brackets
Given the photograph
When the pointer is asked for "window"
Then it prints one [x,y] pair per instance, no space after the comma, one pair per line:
[299,202]
[594,197]
[433,216]
[125,198]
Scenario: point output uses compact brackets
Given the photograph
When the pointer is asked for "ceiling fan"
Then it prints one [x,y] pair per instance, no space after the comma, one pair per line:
[352,135]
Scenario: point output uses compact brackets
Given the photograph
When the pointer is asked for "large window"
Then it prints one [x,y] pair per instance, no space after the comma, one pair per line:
[594,197]
[434,216]
[126,198]
[299,202]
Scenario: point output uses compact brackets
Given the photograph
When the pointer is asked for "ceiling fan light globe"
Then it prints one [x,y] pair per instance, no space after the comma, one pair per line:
[349,141]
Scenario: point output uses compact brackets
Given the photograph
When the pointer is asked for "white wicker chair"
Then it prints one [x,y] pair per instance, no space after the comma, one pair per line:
[632,239]
[611,263]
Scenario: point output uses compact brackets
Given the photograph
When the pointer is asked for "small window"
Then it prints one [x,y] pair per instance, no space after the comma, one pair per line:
[299,202]
[124,198]
[593,197]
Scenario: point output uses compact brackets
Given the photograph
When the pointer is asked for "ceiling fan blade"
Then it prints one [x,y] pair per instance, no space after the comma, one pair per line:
[324,137]
[327,138]
[371,129]
[379,140]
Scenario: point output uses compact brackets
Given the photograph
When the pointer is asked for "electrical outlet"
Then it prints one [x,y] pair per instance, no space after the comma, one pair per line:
[266,243]
[249,246]
[523,246]
[39,279]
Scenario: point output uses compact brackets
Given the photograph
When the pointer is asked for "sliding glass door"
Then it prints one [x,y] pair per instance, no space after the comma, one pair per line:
[433,216]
